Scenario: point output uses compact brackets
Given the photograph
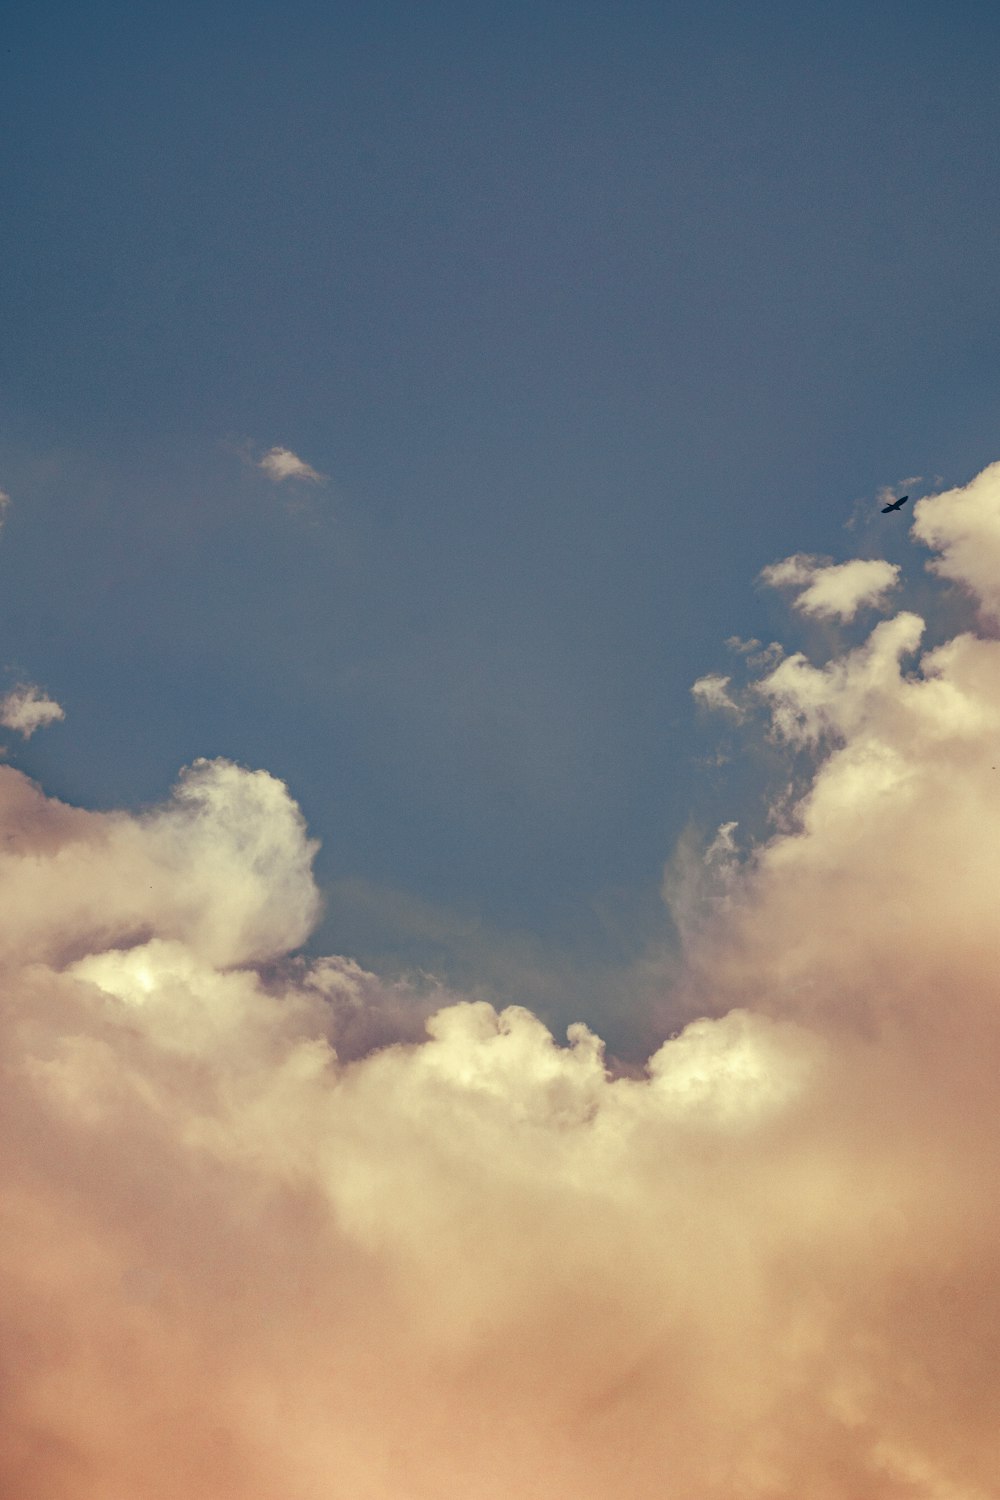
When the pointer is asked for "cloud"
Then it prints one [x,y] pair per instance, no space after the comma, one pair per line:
[712,691]
[833,590]
[4,507]
[888,492]
[261,1234]
[963,527]
[27,708]
[756,654]
[280,464]
[807,702]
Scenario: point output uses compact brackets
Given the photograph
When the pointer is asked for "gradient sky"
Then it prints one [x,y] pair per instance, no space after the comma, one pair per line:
[421,423]
[585,313]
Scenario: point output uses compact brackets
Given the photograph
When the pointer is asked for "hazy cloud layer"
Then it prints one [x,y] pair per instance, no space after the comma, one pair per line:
[27,708]
[833,590]
[258,1241]
[281,463]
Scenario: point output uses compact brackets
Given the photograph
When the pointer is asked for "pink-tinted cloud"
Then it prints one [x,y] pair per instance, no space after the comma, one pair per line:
[258,1241]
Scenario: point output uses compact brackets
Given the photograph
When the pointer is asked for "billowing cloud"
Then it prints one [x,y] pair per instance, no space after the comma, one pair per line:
[963,527]
[281,463]
[833,590]
[27,708]
[262,1236]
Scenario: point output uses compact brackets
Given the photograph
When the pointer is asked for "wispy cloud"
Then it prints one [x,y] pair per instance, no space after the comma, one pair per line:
[756,654]
[27,708]
[866,513]
[712,691]
[280,464]
[887,492]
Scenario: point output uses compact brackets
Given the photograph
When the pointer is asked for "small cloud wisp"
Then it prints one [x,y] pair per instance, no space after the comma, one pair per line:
[27,708]
[712,692]
[280,464]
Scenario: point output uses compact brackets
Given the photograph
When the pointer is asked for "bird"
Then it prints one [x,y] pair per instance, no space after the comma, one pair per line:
[895,504]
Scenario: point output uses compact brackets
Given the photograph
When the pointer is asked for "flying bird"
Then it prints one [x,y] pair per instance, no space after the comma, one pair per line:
[895,504]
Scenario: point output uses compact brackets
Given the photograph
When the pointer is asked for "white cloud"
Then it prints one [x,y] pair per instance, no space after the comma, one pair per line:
[963,526]
[833,590]
[791,572]
[712,691]
[224,868]
[280,464]
[808,702]
[27,708]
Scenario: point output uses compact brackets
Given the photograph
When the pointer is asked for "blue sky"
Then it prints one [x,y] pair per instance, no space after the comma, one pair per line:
[586,313]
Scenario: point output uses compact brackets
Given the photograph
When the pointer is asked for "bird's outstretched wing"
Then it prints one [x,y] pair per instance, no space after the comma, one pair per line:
[895,504]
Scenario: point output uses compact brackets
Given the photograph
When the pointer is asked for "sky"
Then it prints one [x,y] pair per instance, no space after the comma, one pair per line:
[445,600]
[585,314]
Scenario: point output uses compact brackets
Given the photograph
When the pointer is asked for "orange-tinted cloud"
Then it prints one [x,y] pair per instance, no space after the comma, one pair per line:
[257,1240]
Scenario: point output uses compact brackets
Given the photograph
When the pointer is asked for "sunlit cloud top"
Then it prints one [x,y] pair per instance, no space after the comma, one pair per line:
[280,464]
[962,526]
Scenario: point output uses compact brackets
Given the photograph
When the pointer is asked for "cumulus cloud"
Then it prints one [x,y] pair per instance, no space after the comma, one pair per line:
[280,464]
[27,708]
[833,590]
[808,702]
[963,528]
[4,506]
[262,1234]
